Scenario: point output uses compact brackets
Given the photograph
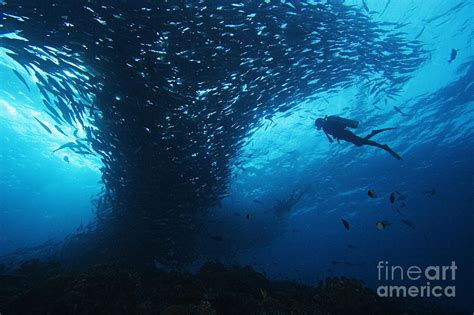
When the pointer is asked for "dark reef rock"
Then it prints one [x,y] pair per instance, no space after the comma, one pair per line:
[45,288]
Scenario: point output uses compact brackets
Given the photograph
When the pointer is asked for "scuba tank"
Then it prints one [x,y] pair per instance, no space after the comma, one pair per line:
[343,121]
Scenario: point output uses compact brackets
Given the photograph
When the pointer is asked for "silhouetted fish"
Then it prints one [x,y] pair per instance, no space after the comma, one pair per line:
[400,111]
[346,224]
[60,130]
[382,225]
[366,7]
[19,76]
[421,32]
[392,198]
[386,6]
[67,145]
[372,194]
[454,53]
[43,125]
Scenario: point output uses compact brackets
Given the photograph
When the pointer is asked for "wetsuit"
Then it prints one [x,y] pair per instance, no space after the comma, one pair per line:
[339,132]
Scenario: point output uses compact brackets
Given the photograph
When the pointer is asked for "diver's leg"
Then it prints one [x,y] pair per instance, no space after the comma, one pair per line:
[358,141]
[393,153]
[377,131]
[383,147]
[348,136]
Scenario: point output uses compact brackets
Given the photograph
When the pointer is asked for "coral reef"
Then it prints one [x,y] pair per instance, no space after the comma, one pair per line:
[46,288]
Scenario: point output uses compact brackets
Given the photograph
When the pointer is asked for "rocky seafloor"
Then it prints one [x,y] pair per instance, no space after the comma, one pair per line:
[37,287]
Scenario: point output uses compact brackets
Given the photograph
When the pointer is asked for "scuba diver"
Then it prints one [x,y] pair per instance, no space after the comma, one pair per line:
[335,126]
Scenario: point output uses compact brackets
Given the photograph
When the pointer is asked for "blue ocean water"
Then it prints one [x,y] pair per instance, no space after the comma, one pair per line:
[289,187]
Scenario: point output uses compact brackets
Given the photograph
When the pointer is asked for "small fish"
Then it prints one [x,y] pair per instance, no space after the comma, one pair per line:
[67,145]
[386,6]
[66,158]
[392,198]
[20,77]
[454,53]
[409,223]
[430,192]
[366,7]
[372,193]
[421,32]
[216,238]
[350,246]
[248,216]
[397,109]
[60,130]
[257,201]
[83,152]
[346,224]
[382,225]
[43,125]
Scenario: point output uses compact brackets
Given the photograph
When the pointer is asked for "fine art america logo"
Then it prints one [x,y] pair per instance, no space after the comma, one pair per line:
[416,281]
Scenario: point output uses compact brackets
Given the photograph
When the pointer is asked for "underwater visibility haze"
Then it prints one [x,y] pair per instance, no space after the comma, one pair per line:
[318,142]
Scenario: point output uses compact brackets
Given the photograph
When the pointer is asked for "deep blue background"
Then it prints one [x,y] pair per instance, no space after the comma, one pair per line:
[43,197]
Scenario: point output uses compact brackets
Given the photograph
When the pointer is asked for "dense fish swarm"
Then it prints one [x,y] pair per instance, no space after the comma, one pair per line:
[167,91]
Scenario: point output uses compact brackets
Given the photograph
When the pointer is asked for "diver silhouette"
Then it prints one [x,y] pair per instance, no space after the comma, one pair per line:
[335,126]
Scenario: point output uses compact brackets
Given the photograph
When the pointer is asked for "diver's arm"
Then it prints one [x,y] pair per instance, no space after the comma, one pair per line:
[329,137]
